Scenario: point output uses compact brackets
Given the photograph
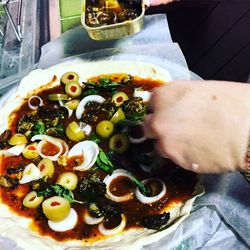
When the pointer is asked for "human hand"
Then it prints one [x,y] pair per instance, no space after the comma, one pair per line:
[202,126]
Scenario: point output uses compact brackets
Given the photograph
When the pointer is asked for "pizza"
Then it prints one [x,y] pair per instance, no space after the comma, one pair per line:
[76,169]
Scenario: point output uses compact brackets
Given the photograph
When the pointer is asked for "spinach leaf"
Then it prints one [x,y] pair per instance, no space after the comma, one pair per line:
[103,162]
[59,190]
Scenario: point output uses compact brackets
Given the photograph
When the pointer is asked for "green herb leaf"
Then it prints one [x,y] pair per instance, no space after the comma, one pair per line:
[103,162]
[104,80]
[59,190]
[145,190]
[39,128]
[95,138]
[90,92]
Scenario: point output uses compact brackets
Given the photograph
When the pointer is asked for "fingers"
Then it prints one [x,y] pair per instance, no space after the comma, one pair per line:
[148,128]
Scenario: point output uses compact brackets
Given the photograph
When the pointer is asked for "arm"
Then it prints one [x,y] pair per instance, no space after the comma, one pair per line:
[201,126]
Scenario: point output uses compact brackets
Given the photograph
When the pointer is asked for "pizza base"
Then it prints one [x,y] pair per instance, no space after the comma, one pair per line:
[18,228]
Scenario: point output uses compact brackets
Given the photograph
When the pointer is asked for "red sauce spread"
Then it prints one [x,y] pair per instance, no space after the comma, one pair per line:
[121,186]
[180,184]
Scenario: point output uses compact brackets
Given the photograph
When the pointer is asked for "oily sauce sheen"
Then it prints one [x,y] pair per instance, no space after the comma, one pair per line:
[180,184]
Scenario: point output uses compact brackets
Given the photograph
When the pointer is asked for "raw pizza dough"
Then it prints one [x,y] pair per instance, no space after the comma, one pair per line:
[18,228]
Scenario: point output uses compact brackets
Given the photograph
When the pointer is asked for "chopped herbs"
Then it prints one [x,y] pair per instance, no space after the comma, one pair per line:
[91,187]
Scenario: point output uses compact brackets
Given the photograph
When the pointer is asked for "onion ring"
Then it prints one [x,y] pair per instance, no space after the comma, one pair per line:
[91,98]
[109,178]
[90,220]
[115,230]
[146,199]
[35,106]
[89,150]
[68,223]
[44,139]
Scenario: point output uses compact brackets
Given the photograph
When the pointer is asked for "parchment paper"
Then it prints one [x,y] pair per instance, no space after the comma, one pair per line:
[220,218]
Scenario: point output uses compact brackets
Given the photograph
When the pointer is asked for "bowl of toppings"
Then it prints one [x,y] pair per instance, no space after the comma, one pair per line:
[76,169]
[112,19]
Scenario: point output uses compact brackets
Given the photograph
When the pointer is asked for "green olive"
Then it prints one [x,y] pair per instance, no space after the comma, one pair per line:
[58,97]
[73,89]
[56,208]
[72,104]
[74,132]
[119,143]
[105,129]
[68,180]
[17,139]
[119,97]
[118,116]
[30,151]
[46,167]
[69,77]
[31,200]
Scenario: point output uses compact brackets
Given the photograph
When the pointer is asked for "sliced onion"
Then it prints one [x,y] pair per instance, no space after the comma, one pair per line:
[44,139]
[115,230]
[13,151]
[90,220]
[108,180]
[40,102]
[146,168]
[67,224]
[65,147]
[132,139]
[91,98]
[70,111]
[31,173]
[86,128]
[144,94]
[146,199]
[89,150]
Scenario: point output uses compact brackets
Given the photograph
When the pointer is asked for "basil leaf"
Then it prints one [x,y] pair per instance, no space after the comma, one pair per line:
[145,190]
[104,81]
[95,138]
[103,162]
[59,190]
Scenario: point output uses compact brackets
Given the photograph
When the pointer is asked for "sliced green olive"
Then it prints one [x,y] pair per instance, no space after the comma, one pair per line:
[74,132]
[68,180]
[118,116]
[56,208]
[69,77]
[46,167]
[119,97]
[17,139]
[119,143]
[31,200]
[30,151]
[72,104]
[73,89]
[58,97]
[105,129]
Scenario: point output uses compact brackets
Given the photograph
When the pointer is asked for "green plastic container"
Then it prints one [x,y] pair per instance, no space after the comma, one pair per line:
[70,14]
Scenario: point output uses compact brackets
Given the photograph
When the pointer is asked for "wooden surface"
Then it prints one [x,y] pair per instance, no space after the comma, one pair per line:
[213,35]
